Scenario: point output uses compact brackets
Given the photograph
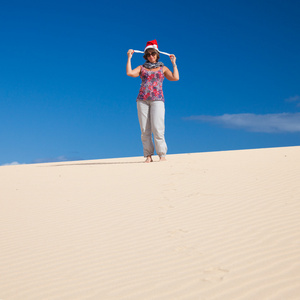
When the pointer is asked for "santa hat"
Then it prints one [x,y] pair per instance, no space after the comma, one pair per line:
[152,45]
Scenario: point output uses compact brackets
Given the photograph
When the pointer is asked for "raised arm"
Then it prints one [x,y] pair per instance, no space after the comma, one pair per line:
[135,72]
[169,75]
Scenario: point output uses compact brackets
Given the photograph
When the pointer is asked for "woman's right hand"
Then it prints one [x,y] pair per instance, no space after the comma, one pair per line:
[129,53]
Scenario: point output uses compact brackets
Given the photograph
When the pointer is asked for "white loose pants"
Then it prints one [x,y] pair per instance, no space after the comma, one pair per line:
[152,120]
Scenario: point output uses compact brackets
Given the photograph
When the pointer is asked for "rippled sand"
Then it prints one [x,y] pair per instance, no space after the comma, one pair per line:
[211,226]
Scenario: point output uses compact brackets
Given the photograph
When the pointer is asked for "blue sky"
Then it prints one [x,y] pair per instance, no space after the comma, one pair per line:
[64,93]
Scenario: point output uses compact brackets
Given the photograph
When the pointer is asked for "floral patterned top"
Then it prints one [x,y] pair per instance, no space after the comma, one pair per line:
[151,87]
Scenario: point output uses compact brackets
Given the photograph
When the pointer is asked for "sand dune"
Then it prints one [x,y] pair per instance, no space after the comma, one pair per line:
[211,226]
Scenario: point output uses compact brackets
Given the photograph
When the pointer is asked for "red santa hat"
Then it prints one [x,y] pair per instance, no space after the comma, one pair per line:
[153,45]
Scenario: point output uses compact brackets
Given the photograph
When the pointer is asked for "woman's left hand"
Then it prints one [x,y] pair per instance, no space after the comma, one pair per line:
[173,59]
[173,76]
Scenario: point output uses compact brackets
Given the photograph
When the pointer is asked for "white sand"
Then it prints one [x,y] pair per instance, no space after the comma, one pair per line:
[219,225]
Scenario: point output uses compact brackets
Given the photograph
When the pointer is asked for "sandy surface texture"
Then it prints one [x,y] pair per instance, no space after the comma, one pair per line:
[202,226]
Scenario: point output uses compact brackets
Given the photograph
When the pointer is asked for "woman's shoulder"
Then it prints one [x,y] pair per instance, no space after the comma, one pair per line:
[139,68]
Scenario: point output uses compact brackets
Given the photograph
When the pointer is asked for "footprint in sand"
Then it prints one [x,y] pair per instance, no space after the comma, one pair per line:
[178,233]
[213,274]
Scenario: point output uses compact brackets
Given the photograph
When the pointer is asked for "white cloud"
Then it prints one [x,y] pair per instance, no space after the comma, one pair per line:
[295,98]
[292,99]
[14,163]
[54,159]
[270,123]
[49,160]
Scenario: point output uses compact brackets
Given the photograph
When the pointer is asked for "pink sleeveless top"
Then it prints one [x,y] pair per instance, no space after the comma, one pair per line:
[151,87]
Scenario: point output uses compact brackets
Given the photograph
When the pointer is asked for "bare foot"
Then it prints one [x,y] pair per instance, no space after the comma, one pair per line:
[149,159]
[162,158]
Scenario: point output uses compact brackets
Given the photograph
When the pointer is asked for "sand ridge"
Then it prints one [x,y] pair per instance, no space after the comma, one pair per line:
[217,225]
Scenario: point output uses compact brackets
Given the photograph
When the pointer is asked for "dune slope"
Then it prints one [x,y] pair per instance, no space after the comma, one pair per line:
[218,225]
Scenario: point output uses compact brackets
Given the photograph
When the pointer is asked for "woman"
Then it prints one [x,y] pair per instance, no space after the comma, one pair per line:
[150,100]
